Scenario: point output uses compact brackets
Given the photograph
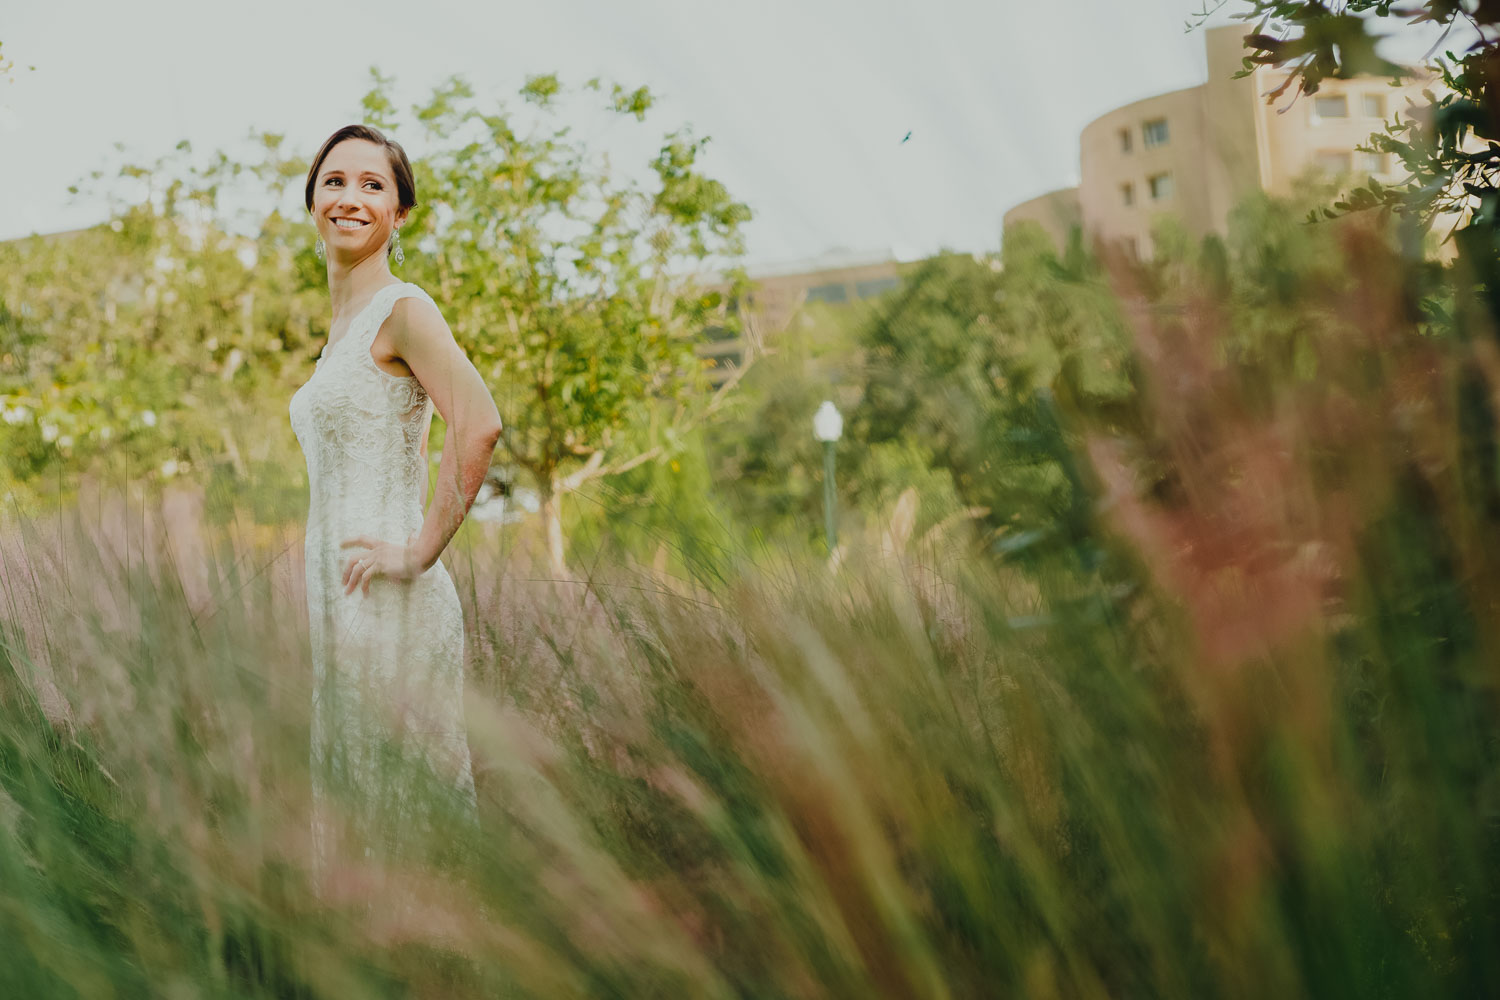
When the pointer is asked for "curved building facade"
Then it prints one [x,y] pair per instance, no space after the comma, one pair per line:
[1195,153]
[1144,159]
[1057,212]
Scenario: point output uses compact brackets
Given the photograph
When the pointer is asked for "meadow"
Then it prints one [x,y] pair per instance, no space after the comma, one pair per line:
[1228,730]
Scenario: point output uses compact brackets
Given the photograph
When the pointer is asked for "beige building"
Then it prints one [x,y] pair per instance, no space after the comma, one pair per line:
[778,292]
[1195,153]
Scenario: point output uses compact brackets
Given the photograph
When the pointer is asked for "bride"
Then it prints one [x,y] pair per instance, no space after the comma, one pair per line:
[387,631]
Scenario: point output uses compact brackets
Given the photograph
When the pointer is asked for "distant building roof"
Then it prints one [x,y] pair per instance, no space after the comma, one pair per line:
[833,260]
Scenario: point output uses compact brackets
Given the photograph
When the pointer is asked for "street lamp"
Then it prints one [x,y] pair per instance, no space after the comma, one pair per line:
[827,426]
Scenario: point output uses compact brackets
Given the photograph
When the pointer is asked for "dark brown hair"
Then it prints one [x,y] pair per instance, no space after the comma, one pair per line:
[406,184]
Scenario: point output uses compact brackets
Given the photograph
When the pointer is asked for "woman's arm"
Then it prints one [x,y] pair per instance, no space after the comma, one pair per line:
[422,340]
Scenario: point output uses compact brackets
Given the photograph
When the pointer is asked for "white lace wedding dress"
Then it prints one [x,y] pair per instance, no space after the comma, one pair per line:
[387,667]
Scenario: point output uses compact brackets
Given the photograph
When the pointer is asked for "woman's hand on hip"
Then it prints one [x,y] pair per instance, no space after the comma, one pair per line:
[379,558]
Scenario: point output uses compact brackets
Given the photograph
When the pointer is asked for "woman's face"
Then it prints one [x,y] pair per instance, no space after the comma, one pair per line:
[355,184]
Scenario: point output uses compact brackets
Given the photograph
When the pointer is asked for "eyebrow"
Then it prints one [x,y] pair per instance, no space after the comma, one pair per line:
[362,173]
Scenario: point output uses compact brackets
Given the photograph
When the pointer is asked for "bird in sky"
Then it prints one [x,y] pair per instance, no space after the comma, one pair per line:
[905,137]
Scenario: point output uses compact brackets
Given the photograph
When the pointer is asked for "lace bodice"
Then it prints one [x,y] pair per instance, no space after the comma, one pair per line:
[361,430]
[387,666]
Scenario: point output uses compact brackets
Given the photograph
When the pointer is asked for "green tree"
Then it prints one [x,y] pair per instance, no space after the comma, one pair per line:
[158,344]
[763,452]
[762,449]
[571,286]
[980,368]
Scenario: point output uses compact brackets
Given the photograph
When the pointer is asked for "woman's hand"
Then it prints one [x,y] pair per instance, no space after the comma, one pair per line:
[398,562]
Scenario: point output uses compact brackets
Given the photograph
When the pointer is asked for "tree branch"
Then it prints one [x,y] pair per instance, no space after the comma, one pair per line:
[595,468]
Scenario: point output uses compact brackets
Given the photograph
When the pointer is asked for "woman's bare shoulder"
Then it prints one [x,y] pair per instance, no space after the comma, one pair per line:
[417,319]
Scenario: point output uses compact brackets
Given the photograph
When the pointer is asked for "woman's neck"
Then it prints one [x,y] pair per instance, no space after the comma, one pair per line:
[350,285]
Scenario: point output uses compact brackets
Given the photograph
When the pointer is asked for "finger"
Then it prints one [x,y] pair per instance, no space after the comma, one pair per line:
[351,575]
[364,540]
[368,576]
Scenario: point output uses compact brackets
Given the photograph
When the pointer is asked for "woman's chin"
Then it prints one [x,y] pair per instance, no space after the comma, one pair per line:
[351,251]
[349,237]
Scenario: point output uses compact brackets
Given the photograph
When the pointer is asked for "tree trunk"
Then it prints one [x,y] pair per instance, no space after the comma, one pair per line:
[552,522]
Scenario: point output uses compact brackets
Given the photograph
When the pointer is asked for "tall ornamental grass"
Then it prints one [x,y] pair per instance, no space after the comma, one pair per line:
[1236,738]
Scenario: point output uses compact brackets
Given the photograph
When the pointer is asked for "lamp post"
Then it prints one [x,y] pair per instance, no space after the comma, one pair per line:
[827,426]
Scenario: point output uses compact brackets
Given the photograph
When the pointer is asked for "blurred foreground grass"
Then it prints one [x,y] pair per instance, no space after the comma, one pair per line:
[1238,738]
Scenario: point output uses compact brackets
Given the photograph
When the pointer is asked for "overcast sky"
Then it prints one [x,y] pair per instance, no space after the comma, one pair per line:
[806,101]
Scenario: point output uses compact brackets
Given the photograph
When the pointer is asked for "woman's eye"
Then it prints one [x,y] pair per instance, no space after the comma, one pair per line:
[376,183]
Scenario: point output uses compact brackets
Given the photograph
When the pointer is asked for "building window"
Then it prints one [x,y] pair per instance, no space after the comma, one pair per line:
[1333,161]
[1126,141]
[1127,193]
[828,293]
[1155,133]
[1374,163]
[1331,107]
[1161,187]
[875,286]
[1374,106]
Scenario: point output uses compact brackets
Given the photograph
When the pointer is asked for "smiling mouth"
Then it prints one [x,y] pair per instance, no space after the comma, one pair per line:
[349,223]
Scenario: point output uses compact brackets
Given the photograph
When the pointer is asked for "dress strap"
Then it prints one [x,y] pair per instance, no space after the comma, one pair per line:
[380,308]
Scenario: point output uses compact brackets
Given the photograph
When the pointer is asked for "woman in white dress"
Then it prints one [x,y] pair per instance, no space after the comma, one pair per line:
[387,631]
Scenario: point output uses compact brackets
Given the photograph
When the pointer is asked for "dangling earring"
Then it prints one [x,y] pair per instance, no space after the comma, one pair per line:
[318,248]
[400,256]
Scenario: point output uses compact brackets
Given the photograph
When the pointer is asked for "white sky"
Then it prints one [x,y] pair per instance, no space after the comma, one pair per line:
[806,100]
